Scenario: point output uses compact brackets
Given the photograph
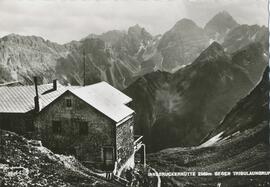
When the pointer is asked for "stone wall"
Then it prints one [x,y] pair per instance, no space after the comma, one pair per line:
[86,147]
[17,122]
[124,141]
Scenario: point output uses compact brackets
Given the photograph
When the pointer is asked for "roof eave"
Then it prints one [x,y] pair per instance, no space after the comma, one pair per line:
[124,119]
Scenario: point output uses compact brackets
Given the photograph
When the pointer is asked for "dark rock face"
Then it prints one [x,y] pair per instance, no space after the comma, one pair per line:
[143,93]
[180,109]
[252,59]
[243,146]
[182,44]
[220,25]
[248,112]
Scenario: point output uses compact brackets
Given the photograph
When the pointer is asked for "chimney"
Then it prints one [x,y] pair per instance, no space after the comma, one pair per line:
[36,99]
[55,84]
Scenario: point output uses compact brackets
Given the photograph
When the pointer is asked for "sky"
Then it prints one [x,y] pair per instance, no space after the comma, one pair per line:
[65,20]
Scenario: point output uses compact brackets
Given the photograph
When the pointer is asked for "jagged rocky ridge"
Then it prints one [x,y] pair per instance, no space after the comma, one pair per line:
[120,57]
[239,143]
[180,109]
[114,56]
[21,57]
[113,59]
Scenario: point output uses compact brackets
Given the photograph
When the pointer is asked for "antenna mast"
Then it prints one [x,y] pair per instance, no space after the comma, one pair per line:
[84,58]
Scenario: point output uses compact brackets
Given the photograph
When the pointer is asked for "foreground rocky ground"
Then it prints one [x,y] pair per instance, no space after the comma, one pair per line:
[244,153]
[27,163]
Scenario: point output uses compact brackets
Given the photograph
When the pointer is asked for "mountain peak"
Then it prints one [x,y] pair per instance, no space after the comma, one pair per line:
[26,40]
[185,23]
[136,26]
[182,44]
[215,46]
[184,26]
[221,23]
[224,13]
[214,51]
[13,35]
[135,29]
[138,31]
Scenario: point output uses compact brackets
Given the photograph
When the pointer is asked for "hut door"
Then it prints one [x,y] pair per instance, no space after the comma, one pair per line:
[108,157]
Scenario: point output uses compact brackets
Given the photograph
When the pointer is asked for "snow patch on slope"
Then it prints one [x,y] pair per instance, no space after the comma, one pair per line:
[211,141]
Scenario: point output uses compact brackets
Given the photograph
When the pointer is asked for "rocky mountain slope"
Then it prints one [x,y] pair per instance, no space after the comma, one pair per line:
[252,59]
[27,163]
[180,109]
[239,143]
[114,57]
[243,35]
[101,63]
[247,113]
[21,57]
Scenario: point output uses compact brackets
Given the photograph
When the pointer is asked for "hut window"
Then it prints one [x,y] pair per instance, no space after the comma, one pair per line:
[56,127]
[68,103]
[83,128]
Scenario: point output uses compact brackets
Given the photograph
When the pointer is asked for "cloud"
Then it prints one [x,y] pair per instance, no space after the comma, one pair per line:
[66,20]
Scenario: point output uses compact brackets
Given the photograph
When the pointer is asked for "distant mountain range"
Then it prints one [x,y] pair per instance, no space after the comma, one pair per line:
[239,143]
[120,57]
[114,57]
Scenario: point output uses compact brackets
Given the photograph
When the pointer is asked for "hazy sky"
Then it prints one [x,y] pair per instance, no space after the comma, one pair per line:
[65,20]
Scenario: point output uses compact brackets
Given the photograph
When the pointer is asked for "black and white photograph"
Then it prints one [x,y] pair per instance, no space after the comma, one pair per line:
[134,93]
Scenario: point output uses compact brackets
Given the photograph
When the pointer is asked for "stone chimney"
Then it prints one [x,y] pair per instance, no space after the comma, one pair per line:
[36,98]
[55,84]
